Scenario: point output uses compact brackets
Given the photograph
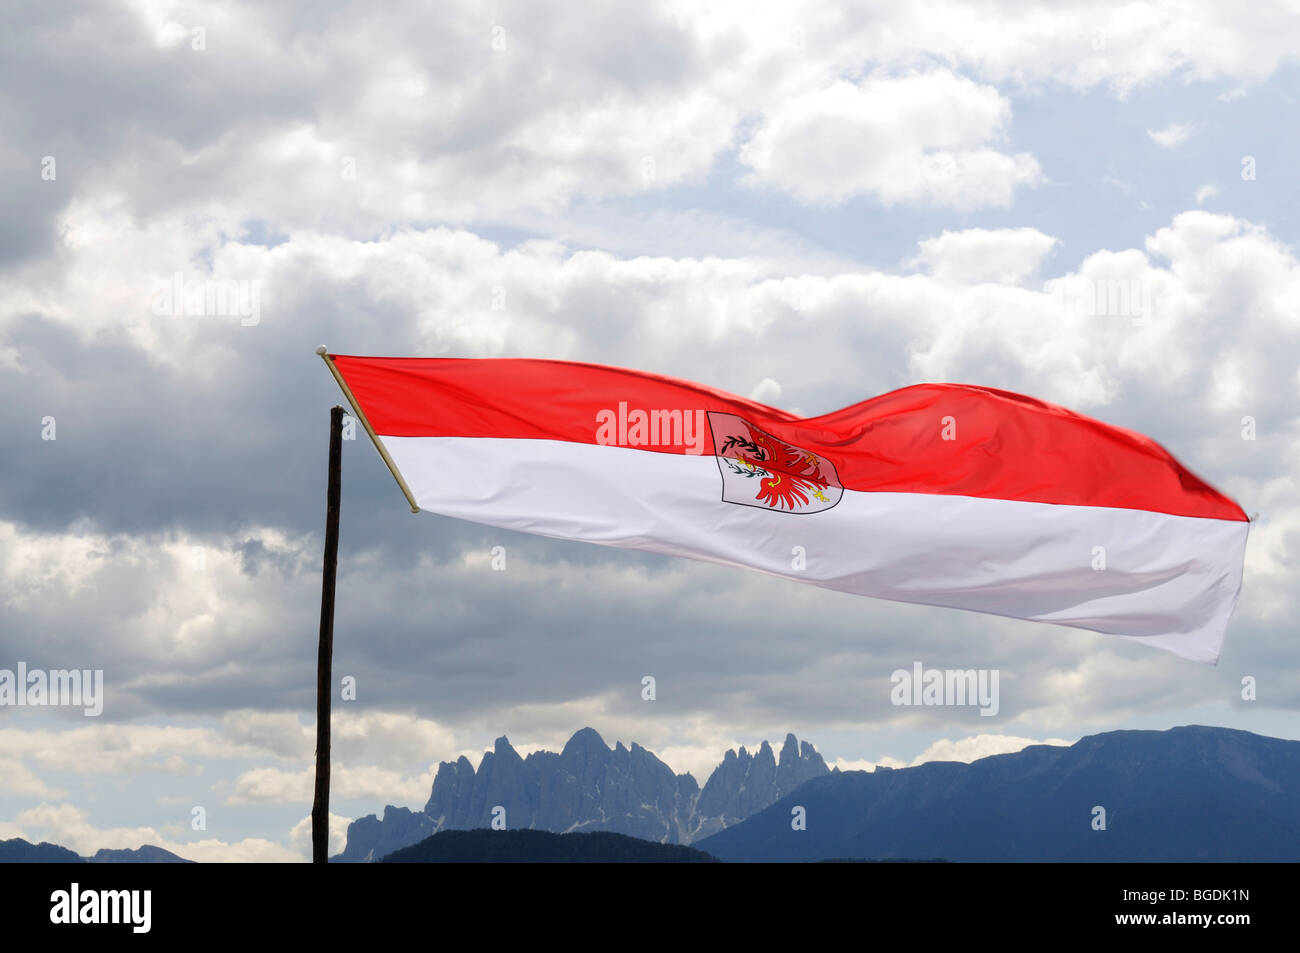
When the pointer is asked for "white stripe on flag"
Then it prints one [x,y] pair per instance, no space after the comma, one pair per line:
[1171,581]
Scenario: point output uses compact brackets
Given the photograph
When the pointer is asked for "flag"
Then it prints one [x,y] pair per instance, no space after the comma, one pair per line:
[940,494]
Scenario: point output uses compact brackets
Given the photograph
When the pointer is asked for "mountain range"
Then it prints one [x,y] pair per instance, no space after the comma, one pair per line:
[1187,794]
[1190,794]
[19,851]
[589,786]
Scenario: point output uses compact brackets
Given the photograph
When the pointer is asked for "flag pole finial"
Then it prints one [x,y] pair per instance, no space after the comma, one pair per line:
[322,350]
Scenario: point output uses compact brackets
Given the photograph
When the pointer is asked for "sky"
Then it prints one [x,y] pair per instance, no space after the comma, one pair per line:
[807,205]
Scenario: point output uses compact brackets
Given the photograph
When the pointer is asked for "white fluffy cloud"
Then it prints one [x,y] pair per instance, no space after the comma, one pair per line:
[926,138]
[69,826]
[17,778]
[1171,136]
[966,750]
[1005,255]
[276,785]
[364,742]
[510,115]
[979,746]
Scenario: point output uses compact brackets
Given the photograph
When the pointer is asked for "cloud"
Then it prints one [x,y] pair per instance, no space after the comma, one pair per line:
[300,836]
[1177,358]
[100,749]
[470,116]
[1005,255]
[17,778]
[924,138]
[278,786]
[864,764]
[1171,136]
[979,746]
[67,826]
[766,391]
[964,750]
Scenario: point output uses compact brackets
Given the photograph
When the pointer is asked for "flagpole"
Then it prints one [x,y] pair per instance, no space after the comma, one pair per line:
[320,809]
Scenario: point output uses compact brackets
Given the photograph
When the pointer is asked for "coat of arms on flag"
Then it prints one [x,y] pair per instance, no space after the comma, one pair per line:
[759,469]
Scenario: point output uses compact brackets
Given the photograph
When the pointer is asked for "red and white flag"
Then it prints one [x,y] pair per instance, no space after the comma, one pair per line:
[940,494]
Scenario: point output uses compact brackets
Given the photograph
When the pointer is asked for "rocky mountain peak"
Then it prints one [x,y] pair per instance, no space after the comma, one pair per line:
[744,784]
[790,750]
[588,786]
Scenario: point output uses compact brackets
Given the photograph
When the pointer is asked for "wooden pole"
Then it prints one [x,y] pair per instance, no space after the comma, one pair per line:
[320,809]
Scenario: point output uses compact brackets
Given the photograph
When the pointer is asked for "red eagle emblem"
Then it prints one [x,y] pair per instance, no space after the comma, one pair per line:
[759,469]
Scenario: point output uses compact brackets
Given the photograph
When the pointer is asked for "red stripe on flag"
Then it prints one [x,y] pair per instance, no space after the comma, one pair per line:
[951,439]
